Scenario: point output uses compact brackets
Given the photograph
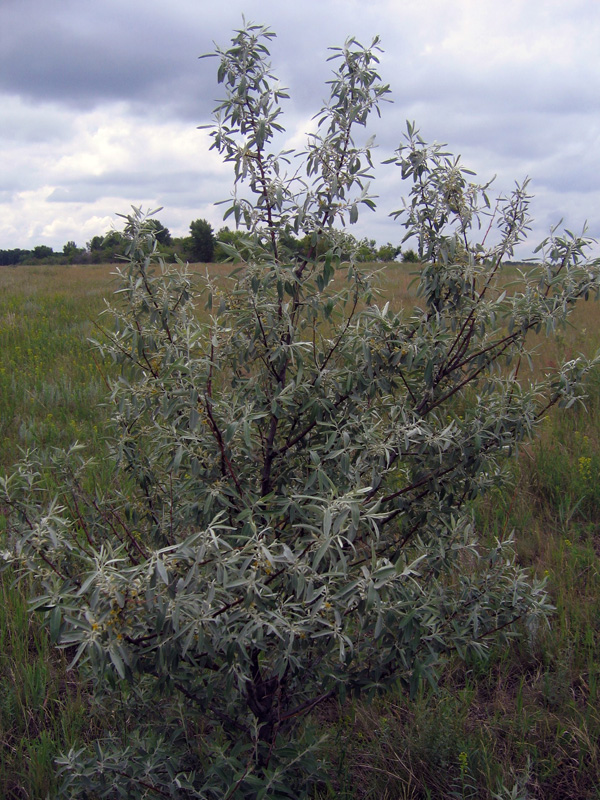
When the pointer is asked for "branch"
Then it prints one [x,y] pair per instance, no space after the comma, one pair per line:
[226,463]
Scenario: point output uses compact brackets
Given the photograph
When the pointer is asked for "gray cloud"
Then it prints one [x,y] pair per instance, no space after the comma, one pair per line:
[84,54]
[183,186]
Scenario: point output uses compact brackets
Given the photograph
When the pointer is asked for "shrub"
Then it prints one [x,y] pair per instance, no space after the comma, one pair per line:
[289,521]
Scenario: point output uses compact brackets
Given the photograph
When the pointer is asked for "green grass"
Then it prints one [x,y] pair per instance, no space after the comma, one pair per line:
[50,390]
[50,381]
[43,708]
[528,719]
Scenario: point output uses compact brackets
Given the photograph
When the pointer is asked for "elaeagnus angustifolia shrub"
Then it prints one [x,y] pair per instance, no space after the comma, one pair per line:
[290,521]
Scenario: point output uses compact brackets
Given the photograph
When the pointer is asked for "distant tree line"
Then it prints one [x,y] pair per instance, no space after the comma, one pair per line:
[202,245]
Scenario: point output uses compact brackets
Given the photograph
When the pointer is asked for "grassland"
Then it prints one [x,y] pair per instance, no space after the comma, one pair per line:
[528,719]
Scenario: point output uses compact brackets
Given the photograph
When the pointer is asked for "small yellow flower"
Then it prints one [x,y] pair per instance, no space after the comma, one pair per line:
[585,467]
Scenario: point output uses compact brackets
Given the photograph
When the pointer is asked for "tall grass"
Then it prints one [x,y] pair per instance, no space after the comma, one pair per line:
[524,724]
[50,382]
[51,387]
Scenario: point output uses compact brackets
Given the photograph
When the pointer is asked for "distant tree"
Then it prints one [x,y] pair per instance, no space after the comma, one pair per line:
[182,245]
[410,257]
[203,241]
[71,253]
[366,250]
[42,251]
[162,233]
[12,257]
[388,252]
[113,246]
[95,243]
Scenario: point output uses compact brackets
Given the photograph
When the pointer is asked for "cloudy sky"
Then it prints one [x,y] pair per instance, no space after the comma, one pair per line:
[101,100]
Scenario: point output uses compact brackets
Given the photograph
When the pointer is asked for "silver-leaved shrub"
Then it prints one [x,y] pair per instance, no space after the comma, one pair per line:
[289,522]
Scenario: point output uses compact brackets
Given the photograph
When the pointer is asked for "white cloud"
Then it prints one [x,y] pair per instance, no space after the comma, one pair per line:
[109,160]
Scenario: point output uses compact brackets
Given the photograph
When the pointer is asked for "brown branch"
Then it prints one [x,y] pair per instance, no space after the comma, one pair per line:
[291,442]
[130,536]
[471,377]
[145,784]
[306,707]
[339,339]
[226,465]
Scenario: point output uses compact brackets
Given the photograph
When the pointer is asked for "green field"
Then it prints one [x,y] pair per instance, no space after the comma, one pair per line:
[527,720]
